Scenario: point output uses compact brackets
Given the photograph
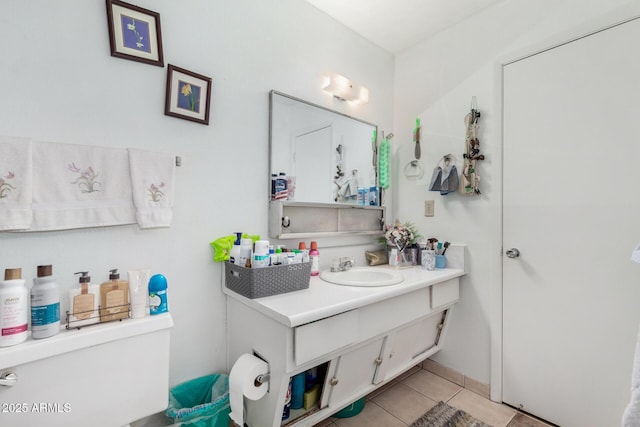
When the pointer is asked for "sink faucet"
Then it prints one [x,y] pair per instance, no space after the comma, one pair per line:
[342,264]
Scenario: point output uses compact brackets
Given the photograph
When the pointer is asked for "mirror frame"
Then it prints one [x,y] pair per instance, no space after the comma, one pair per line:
[282,212]
[311,104]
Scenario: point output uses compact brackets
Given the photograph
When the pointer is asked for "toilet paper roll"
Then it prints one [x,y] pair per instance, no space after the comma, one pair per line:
[242,383]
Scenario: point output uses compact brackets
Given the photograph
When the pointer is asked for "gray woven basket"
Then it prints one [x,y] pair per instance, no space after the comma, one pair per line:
[266,281]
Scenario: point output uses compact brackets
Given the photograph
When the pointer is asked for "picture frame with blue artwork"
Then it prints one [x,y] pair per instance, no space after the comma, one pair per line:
[188,95]
[134,33]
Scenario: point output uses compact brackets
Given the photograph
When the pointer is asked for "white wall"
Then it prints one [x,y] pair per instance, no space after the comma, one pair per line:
[59,83]
[435,81]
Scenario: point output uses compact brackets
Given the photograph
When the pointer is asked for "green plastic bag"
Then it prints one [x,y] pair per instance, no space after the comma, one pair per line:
[222,248]
[201,402]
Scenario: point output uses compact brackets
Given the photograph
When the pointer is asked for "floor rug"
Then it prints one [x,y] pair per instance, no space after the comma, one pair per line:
[443,415]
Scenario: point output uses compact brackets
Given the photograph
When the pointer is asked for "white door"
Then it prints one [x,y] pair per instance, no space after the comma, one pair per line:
[572,208]
[311,165]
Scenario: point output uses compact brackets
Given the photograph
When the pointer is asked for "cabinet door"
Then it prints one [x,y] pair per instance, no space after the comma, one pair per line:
[409,345]
[352,373]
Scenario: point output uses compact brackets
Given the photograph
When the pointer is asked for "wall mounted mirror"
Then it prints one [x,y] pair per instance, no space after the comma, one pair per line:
[329,154]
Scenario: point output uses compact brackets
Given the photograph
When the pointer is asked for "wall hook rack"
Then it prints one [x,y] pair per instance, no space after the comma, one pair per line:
[470,178]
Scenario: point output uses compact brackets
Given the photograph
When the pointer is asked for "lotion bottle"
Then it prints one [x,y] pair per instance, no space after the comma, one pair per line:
[84,302]
[45,304]
[139,292]
[314,257]
[14,308]
[114,296]
[246,247]
[302,247]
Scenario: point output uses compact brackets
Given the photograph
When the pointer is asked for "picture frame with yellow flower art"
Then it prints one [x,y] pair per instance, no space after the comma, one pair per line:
[134,33]
[188,95]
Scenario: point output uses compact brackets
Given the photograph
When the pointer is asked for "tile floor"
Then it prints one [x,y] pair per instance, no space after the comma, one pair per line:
[404,400]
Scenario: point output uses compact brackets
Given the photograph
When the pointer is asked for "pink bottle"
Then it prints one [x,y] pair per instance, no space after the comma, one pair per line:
[314,257]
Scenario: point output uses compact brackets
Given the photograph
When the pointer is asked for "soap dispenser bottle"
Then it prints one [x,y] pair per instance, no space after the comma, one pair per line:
[45,304]
[84,302]
[14,308]
[114,295]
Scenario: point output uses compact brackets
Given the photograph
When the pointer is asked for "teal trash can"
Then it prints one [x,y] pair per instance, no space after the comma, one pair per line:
[201,402]
[352,410]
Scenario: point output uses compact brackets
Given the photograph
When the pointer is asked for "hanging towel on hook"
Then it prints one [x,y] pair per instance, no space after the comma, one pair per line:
[445,178]
[153,186]
[16,183]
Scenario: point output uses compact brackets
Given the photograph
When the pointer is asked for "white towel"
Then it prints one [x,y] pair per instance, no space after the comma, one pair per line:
[77,186]
[153,181]
[16,183]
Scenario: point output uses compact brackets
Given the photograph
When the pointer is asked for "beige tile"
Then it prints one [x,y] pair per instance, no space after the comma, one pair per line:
[432,386]
[393,382]
[371,415]
[496,414]
[477,387]
[522,420]
[408,373]
[443,371]
[325,423]
[382,389]
[405,403]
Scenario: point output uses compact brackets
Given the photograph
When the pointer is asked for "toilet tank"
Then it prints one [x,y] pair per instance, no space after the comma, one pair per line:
[101,375]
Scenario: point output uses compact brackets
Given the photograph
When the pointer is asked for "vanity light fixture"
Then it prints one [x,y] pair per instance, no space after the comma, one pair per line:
[345,90]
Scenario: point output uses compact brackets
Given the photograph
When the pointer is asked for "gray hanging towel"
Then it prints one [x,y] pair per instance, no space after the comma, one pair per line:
[436,179]
[450,180]
[445,179]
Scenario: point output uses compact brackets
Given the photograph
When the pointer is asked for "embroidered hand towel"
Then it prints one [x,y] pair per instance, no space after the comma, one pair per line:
[152,180]
[77,186]
[16,183]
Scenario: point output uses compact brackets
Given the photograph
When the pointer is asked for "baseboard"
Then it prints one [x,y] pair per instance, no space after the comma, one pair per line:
[457,377]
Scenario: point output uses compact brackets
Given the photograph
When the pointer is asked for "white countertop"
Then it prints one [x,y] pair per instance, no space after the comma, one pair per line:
[324,299]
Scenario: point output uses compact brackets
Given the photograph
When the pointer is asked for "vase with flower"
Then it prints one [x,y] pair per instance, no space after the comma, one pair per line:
[401,239]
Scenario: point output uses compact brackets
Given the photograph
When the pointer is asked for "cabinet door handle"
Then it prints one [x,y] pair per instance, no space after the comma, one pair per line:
[334,381]
[378,361]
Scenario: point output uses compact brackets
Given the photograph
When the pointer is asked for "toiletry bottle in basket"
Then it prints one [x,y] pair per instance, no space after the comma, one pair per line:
[314,257]
[114,298]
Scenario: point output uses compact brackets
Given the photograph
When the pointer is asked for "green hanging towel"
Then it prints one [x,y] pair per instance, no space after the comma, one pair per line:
[383,162]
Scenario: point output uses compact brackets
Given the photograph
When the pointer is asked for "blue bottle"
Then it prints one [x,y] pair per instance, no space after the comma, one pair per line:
[297,391]
[158,294]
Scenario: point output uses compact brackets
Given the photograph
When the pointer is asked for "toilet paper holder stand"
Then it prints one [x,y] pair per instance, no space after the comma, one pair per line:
[261,379]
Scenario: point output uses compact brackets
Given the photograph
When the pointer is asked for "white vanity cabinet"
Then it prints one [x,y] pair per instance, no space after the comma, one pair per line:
[358,338]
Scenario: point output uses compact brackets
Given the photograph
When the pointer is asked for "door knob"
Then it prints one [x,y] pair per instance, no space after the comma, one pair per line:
[513,253]
[334,381]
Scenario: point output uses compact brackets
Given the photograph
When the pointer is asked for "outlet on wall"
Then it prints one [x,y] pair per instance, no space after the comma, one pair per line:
[428,207]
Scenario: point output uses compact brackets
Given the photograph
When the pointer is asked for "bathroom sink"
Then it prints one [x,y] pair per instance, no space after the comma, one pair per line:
[362,276]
